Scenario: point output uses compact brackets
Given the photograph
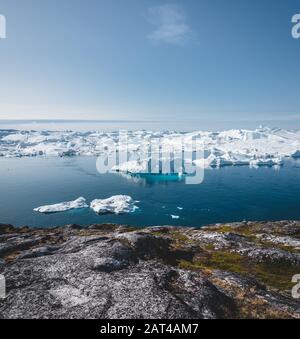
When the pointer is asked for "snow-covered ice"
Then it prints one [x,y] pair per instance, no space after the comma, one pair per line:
[260,147]
[63,206]
[118,204]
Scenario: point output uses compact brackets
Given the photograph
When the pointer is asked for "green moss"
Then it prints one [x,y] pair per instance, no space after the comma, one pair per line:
[224,229]
[242,230]
[129,229]
[178,236]
[173,235]
[158,234]
[272,275]
[278,246]
[188,265]
[225,261]
[209,247]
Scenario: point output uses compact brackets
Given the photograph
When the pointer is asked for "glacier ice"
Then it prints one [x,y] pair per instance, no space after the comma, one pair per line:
[260,147]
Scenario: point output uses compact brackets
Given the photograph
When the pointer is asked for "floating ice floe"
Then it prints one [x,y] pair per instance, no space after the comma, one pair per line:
[62,207]
[118,204]
[175,216]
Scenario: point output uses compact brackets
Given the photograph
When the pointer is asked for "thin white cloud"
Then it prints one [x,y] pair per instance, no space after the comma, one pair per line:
[291,117]
[170,23]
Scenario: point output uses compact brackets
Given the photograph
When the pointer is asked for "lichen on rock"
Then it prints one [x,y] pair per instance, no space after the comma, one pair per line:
[240,270]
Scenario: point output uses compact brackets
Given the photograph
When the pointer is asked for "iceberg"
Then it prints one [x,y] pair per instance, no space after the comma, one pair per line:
[118,204]
[63,206]
[238,147]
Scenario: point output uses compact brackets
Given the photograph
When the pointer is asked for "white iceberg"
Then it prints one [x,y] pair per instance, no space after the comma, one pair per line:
[63,206]
[224,148]
[118,204]
[175,216]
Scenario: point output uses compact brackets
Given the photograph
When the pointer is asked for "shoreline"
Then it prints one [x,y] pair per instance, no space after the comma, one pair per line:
[237,270]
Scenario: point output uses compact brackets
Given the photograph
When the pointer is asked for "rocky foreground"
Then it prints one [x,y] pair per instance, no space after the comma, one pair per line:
[241,270]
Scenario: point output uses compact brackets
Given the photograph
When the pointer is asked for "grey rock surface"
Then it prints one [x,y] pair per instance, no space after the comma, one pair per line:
[113,272]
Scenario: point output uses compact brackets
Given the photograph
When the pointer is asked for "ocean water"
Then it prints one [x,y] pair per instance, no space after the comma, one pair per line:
[226,195]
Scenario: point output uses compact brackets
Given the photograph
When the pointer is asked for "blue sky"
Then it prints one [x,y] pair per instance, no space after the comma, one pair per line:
[149,60]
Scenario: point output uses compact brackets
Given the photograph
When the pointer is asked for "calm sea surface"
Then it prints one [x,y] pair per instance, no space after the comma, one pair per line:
[226,195]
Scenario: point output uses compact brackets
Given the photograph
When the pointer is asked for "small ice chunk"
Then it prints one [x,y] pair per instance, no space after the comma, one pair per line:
[63,206]
[266,162]
[180,208]
[175,216]
[118,204]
